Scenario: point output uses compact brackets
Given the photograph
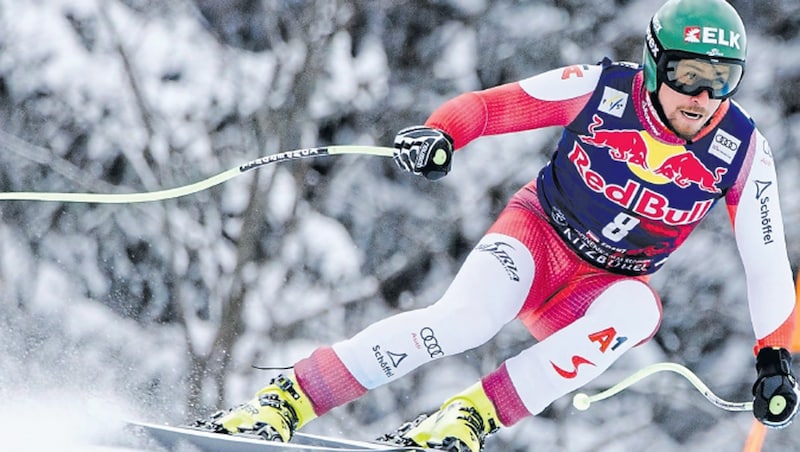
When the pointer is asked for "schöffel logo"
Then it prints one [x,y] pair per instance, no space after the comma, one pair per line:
[381,358]
[712,35]
[764,205]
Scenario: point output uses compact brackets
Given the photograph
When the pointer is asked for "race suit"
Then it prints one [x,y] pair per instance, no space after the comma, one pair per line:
[571,253]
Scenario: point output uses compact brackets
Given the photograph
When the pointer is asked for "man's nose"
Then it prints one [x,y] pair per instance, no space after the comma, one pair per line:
[702,98]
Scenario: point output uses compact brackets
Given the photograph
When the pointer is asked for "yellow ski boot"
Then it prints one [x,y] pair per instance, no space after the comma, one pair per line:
[276,412]
[461,424]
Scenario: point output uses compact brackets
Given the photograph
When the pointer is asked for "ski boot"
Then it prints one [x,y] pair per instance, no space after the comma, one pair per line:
[275,413]
[461,424]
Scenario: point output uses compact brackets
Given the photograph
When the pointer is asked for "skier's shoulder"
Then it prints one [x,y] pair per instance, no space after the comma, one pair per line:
[575,80]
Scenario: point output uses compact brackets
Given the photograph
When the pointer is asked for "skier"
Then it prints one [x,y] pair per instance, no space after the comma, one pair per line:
[646,151]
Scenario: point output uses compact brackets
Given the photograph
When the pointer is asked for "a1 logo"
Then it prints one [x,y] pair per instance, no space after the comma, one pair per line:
[607,338]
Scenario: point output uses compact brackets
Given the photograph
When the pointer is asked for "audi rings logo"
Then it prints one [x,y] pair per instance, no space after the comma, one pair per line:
[724,146]
[431,342]
[766,149]
[727,142]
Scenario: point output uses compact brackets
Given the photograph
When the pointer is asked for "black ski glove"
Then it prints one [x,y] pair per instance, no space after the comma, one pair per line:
[424,150]
[775,390]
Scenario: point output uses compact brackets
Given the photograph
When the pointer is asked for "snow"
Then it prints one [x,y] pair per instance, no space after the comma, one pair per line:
[58,420]
[60,390]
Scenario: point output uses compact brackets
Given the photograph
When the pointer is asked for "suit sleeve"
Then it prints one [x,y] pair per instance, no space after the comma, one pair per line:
[553,98]
[758,226]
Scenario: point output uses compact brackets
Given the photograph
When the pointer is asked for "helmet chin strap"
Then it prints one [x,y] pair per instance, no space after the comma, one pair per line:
[660,111]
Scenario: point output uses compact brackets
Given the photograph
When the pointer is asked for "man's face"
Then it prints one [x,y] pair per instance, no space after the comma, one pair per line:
[686,114]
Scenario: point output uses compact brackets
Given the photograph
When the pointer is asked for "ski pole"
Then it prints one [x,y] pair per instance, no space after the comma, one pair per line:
[582,401]
[160,195]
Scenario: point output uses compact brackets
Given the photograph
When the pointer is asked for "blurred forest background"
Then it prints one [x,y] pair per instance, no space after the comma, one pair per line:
[158,310]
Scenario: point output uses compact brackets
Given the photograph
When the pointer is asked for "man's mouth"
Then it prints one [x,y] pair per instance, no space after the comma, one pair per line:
[691,115]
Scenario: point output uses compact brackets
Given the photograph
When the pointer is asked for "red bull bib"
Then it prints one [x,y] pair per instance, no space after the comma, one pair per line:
[623,199]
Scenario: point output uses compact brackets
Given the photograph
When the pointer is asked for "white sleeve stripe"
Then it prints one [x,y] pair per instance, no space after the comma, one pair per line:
[762,246]
[564,83]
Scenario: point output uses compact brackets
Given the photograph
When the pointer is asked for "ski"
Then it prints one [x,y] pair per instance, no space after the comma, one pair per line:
[173,438]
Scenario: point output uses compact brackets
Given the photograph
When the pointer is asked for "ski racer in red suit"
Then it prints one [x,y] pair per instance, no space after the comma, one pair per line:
[645,153]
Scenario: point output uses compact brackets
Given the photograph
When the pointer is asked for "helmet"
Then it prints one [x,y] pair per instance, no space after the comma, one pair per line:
[694,46]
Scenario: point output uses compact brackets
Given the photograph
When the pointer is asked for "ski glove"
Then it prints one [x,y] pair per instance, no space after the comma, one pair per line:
[775,390]
[424,150]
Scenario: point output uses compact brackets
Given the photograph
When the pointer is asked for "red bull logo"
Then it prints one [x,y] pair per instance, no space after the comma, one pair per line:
[634,196]
[673,164]
[686,169]
[623,145]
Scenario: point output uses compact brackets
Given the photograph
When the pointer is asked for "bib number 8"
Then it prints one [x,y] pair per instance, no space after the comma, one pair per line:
[620,227]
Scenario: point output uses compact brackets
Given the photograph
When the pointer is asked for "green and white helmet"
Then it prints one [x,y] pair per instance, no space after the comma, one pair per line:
[695,46]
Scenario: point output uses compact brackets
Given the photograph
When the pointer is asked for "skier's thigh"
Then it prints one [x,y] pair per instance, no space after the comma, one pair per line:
[622,316]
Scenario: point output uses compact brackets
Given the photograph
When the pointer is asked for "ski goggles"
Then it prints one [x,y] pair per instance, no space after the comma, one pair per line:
[689,74]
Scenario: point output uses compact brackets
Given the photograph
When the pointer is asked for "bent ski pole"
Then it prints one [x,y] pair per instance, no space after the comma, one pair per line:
[160,195]
[582,401]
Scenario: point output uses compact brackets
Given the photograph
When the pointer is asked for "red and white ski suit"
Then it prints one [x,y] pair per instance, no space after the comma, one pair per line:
[571,253]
